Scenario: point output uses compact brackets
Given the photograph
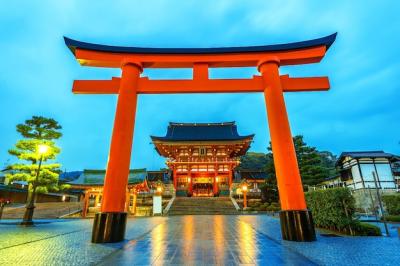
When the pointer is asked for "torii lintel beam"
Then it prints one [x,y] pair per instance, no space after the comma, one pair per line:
[147,86]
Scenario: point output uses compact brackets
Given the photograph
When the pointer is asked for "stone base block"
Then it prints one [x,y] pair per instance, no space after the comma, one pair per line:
[297,225]
[109,227]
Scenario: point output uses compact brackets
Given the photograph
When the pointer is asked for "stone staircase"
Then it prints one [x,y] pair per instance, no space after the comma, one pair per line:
[202,206]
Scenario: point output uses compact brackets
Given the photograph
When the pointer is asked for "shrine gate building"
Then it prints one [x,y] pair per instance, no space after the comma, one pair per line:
[202,156]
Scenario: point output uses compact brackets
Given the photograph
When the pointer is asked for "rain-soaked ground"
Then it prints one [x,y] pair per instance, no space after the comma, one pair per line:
[188,240]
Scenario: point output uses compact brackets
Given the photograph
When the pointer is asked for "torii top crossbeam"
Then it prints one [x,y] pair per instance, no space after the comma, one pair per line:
[296,221]
[200,59]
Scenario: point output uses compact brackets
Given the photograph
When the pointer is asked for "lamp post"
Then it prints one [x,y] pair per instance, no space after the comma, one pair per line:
[27,220]
[244,191]
[159,190]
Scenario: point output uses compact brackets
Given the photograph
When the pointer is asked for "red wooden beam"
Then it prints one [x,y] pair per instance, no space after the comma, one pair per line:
[304,84]
[116,60]
[96,86]
[147,86]
[200,85]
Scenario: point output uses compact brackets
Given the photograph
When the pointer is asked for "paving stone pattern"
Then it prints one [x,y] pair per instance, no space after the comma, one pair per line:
[188,240]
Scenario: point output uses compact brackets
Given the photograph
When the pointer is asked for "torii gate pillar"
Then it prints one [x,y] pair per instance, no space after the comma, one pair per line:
[296,220]
[109,224]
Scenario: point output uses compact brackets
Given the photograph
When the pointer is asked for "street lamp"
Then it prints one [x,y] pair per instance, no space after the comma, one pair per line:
[244,191]
[42,149]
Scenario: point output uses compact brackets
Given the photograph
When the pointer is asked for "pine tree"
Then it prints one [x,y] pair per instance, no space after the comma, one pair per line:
[314,166]
[38,131]
[253,160]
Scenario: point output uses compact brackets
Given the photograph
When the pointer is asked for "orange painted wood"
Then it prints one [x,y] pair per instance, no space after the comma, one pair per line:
[200,71]
[117,172]
[175,178]
[215,184]
[200,85]
[147,86]
[248,59]
[304,84]
[96,86]
[287,171]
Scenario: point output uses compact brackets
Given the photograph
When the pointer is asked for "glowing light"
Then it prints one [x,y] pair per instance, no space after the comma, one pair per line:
[217,179]
[159,189]
[42,149]
[63,197]
[244,188]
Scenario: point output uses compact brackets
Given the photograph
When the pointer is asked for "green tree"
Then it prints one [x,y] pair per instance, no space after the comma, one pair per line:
[36,132]
[314,166]
[253,160]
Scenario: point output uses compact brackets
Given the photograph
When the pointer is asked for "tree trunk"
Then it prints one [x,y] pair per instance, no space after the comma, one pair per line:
[30,206]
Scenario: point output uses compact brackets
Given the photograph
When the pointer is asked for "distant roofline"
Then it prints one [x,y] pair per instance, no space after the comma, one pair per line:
[382,153]
[166,139]
[174,126]
[104,170]
[364,151]
[255,170]
[365,154]
[232,123]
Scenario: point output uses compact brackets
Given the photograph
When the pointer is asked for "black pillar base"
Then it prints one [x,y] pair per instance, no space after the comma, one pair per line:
[109,227]
[297,225]
[27,223]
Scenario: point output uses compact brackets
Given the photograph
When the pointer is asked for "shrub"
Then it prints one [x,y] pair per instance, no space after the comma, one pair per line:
[392,204]
[332,208]
[365,229]
[276,204]
[392,218]
[273,209]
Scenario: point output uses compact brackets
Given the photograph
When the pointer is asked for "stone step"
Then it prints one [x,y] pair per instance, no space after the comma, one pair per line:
[202,206]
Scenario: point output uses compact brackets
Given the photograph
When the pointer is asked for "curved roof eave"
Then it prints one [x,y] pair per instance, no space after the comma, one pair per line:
[155,138]
[324,41]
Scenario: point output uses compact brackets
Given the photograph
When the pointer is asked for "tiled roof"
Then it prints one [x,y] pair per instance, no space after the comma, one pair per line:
[366,154]
[202,132]
[96,177]
[250,174]
[69,176]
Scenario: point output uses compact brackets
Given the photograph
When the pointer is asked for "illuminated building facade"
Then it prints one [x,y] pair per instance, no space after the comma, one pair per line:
[202,156]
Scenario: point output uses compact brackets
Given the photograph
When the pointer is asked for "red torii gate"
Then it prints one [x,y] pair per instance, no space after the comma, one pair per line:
[296,220]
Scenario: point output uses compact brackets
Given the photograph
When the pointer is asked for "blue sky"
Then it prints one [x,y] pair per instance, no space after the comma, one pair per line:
[360,112]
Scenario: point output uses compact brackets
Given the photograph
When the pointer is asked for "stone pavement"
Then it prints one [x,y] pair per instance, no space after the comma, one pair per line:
[47,210]
[187,240]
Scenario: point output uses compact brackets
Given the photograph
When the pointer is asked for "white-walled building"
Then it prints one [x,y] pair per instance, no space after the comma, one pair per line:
[356,169]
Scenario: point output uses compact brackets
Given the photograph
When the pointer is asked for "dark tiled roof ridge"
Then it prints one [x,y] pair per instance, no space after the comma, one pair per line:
[232,123]
[104,170]
[347,152]
[326,41]
[223,131]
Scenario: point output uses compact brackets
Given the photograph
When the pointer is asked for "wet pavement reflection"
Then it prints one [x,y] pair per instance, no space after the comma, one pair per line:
[205,240]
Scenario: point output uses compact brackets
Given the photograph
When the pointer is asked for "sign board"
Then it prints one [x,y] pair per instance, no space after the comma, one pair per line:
[157,205]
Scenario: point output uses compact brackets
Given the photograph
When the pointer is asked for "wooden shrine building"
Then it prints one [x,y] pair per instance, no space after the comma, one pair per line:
[202,156]
[89,184]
